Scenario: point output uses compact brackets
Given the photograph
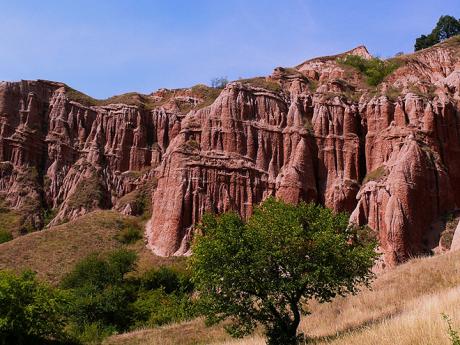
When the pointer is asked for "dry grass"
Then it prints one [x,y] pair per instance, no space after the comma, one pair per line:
[420,324]
[264,83]
[10,220]
[376,174]
[403,307]
[53,252]
[185,333]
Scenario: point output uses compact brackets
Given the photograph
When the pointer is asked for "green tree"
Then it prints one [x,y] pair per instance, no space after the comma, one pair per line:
[219,83]
[265,270]
[30,312]
[425,41]
[446,27]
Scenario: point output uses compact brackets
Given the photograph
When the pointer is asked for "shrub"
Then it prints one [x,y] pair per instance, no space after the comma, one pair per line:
[101,290]
[92,333]
[129,234]
[156,308]
[375,70]
[108,298]
[5,236]
[167,279]
[100,272]
[453,334]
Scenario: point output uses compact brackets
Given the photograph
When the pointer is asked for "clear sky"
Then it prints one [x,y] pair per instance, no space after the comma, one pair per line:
[107,47]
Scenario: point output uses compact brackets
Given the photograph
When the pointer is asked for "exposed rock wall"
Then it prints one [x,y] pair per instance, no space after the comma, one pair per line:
[74,158]
[387,155]
[392,163]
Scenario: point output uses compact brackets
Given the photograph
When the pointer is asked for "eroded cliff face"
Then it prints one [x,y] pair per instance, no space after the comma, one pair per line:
[388,155]
[61,156]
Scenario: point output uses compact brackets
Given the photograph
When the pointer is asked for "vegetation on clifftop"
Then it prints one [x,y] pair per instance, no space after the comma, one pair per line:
[446,27]
[374,70]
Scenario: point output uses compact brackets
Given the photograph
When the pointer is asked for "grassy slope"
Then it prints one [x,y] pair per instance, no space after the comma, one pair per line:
[403,307]
[53,252]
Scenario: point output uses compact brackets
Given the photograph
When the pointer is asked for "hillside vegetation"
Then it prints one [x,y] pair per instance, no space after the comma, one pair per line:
[403,307]
[54,252]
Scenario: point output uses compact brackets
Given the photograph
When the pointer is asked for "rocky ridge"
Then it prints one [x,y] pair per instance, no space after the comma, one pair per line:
[388,155]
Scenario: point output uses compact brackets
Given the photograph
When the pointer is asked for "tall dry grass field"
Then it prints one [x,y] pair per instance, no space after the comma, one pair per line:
[404,307]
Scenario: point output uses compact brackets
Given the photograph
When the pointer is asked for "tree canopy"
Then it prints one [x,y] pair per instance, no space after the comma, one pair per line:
[264,271]
[30,312]
[446,27]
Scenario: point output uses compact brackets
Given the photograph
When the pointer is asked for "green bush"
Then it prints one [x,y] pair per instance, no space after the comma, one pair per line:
[129,234]
[101,290]
[167,279]
[91,333]
[375,70]
[30,312]
[156,308]
[108,297]
[99,297]
[5,236]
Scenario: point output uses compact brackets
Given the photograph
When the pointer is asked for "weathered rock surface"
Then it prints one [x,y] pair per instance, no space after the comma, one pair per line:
[61,155]
[456,240]
[388,155]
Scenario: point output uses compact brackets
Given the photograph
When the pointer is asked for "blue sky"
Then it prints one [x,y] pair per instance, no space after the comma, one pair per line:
[107,47]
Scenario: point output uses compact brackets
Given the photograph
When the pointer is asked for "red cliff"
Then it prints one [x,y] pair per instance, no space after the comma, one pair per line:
[388,155]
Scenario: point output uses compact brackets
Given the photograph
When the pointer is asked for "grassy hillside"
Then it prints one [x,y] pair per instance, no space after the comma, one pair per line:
[54,252]
[403,307]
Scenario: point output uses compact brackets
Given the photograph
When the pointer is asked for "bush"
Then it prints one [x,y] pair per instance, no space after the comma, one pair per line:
[156,308]
[129,234]
[108,298]
[167,279]
[30,312]
[92,333]
[5,236]
[375,70]
[101,291]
